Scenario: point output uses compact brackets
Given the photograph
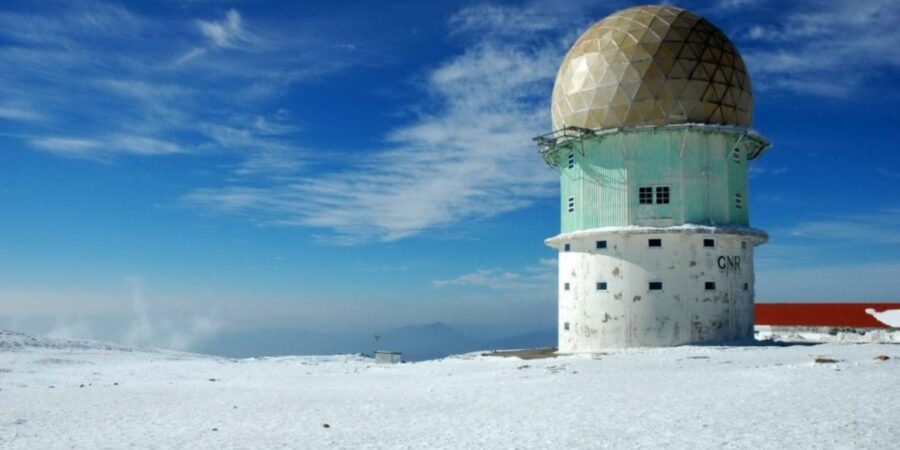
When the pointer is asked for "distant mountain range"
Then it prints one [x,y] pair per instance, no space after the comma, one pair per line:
[416,342]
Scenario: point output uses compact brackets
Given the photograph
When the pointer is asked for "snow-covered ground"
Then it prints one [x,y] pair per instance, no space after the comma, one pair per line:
[821,335]
[75,394]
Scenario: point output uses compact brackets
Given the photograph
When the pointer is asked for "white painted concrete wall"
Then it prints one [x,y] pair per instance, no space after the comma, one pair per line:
[628,314]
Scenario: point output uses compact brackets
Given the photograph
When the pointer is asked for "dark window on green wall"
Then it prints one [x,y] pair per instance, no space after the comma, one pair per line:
[737,155]
[655,285]
[571,204]
[645,195]
[662,195]
[710,286]
[567,247]
[601,245]
[654,242]
[746,286]
[710,243]
[601,285]
[571,161]
[738,201]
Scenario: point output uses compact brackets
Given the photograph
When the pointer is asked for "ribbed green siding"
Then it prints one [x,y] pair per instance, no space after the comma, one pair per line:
[698,166]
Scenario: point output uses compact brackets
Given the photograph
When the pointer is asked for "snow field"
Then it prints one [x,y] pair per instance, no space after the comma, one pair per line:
[701,397]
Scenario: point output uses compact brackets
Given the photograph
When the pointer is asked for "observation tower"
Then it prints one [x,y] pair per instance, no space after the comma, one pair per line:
[652,109]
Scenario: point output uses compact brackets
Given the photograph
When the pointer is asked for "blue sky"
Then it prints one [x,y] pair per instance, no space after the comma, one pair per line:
[173,169]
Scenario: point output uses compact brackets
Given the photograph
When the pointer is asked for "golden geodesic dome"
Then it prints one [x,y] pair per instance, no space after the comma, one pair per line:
[652,65]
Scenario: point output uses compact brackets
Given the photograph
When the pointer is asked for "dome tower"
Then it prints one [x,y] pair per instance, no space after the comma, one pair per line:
[651,112]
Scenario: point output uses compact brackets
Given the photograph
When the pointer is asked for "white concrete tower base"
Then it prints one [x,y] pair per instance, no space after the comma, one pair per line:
[696,286]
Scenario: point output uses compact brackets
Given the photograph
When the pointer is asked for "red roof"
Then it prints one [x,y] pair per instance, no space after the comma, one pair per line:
[821,314]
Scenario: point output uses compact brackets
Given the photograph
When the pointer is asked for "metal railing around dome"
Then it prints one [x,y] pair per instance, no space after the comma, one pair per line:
[550,143]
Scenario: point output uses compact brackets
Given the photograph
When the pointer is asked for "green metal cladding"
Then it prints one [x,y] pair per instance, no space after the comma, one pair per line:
[705,169]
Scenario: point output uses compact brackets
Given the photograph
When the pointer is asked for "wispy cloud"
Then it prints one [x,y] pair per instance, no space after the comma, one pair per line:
[65,26]
[821,48]
[473,159]
[18,113]
[540,275]
[226,33]
[66,145]
[735,4]
[63,56]
[758,169]
[106,147]
[526,21]
[879,227]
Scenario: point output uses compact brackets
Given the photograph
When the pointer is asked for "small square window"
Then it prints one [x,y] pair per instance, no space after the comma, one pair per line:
[738,201]
[654,242]
[746,286]
[709,243]
[655,285]
[571,204]
[662,195]
[744,245]
[710,286]
[645,195]
[601,285]
[567,247]
[571,161]
[601,245]
[566,326]
[566,286]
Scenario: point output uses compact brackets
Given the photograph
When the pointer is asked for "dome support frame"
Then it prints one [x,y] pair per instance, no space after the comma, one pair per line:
[550,144]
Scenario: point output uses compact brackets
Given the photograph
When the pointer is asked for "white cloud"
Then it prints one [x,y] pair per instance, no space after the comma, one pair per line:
[470,158]
[879,227]
[130,316]
[146,91]
[102,148]
[69,55]
[63,26]
[503,20]
[538,276]
[146,330]
[227,33]
[18,113]
[530,20]
[140,145]
[190,54]
[759,169]
[736,4]
[826,49]
[66,145]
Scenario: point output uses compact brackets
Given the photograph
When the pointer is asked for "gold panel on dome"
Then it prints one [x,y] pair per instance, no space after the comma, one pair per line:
[652,65]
